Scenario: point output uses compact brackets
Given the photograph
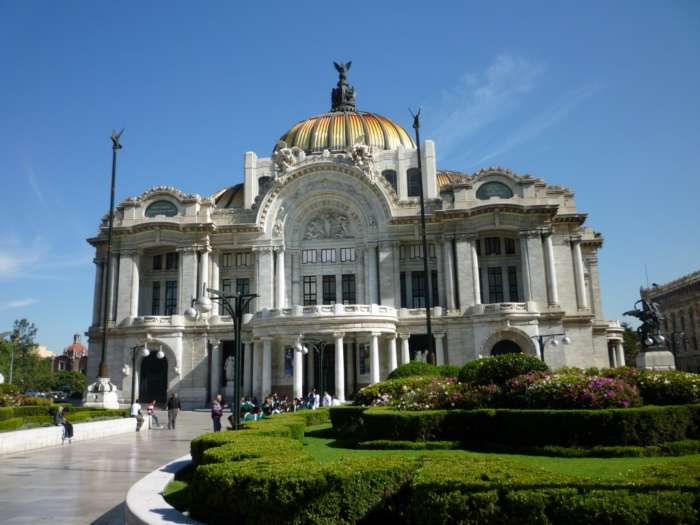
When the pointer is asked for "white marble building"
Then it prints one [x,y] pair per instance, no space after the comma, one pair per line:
[326,232]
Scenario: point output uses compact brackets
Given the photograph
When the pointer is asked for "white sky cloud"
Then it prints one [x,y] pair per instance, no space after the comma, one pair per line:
[17,303]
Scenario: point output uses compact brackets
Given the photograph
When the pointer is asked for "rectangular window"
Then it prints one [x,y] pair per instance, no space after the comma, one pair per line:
[171,261]
[329,289]
[509,245]
[328,255]
[348,284]
[492,245]
[157,262]
[227,260]
[243,288]
[288,361]
[155,298]
[170,297]
[347,254]
[390,176]
[434,285]
[403,252]
[418,289]
[416,251]
[495,276]
[478,246]
[402,281]
[309,290]
[363,356]
[226,289]
[513,284]
[413,182]
[243,259]
[308,256]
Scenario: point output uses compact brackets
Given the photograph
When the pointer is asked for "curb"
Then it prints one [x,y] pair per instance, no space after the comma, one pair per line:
[145,504]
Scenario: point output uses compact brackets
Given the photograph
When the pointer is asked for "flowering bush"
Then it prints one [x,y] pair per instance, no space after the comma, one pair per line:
[499,369]
[580,391]
[668,388]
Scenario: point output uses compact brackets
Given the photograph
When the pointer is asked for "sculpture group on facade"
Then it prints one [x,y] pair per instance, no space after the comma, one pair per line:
[328,225]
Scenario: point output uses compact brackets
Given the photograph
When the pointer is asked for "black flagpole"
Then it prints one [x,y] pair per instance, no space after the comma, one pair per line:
[429,286]
[116,146]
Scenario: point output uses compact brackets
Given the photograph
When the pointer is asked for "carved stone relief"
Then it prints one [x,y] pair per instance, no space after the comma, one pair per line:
[329,225]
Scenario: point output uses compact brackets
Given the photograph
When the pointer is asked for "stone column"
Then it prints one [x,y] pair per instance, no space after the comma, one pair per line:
[620,349]
[188,278]
[612,351]
[550,268]
[579,277]
[264,278]
[374,358]
[385,278]
[463,270]
[298,374]
[280,287]
[296,295]
[135,280]
[310,364]
[257,370]
[392,353]
[475,271]
[371,260]
[397,274]
[124,284]
[214,280]
[448,273]
[266,383]
[440,348]
[339,366]
[203,273]
[247,367]
[525,266]
[97,295]
[215,368]
[113,288]
[405,351]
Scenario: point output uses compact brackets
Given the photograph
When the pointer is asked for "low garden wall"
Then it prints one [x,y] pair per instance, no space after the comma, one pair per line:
[21,440]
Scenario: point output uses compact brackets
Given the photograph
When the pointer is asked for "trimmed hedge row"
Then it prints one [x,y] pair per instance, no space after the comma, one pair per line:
[33,416]
[642,426]
[246,477]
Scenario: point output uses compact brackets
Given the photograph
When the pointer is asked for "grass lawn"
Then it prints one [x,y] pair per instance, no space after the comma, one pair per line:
[320,445]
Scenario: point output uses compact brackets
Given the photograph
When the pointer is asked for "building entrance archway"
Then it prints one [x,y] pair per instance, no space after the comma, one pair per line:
[153,383]
[506,346]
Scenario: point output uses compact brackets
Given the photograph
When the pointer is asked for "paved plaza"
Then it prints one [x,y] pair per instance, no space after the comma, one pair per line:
[87,482]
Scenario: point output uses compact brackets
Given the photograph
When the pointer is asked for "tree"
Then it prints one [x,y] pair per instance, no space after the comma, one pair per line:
[29,371]
[71,381]
[630,340]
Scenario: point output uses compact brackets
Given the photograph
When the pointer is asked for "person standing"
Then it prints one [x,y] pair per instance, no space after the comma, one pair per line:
[217,410]
[173,409]
[60,420]
[136,412]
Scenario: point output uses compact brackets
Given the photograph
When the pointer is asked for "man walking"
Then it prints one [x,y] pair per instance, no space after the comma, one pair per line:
[217,410]
[173,409]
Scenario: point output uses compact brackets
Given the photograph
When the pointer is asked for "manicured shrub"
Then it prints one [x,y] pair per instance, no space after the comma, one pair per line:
[9,389]
[414,368]
[12,423]
[6,413]
[251,446]
[35,401]
[498,369]
[448,370]
[388,444]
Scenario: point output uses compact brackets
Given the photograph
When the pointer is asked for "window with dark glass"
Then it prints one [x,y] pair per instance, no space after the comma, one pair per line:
[226,289]
[161,208]
[413,182]
[509,246]
[513,284]
[349,292]
[390,176]
[171,261]
[494,189]
[243,288]
[157,262]
[418,289]
[434,286]
[170,297]
[155,298]
[492,246]
[481,286]
[329,289]
[478,246]
[402,281]
[309,290]
[495,277]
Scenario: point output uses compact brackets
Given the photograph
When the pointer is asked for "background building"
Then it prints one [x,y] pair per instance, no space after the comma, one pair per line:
[679,301]
[74,357]
[326,232]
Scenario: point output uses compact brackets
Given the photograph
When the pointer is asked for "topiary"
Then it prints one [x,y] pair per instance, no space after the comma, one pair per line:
[414,368]
[448,370]
[499,369]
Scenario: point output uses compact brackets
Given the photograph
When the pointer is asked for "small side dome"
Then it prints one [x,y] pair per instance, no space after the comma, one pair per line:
[231,197]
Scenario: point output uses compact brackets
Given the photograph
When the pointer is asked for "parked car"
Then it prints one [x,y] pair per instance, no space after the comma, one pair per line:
[57,395]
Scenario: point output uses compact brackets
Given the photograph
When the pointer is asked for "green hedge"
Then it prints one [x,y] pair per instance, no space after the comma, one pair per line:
[249,477]
[33,416]
[499,369]
[570,428]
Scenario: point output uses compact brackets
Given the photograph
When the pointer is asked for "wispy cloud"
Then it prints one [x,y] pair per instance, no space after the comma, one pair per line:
[540,123]
[32,258]
[480,99]
[18,303]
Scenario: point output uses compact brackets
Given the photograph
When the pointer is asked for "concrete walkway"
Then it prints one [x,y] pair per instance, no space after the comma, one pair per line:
[87,482]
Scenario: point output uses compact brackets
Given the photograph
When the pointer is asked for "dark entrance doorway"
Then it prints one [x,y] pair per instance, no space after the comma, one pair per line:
[324,370]
[418,343]
[153,383]
[506,347]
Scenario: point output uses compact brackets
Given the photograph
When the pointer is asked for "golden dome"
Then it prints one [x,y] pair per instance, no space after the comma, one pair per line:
[340,130]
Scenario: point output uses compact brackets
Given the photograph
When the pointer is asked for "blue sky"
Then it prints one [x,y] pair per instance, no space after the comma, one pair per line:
[601,97]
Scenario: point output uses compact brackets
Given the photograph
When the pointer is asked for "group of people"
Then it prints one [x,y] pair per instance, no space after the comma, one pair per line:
[252,410]
[173,406]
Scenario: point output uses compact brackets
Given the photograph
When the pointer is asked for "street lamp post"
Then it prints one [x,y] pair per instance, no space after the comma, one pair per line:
[553,339]
[235,306]
[318,346]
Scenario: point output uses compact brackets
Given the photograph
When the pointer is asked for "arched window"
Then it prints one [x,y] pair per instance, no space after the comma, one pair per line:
[390,176]
[413,182]
[493,189]
[161,207]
